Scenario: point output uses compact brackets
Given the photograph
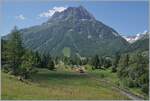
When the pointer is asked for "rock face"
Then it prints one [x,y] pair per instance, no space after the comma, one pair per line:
[75,29]
[72,13]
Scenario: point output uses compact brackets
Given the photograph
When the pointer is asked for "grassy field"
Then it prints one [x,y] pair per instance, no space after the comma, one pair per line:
[61,85]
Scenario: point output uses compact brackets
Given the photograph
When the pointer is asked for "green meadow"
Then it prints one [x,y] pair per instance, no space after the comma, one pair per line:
[61,85]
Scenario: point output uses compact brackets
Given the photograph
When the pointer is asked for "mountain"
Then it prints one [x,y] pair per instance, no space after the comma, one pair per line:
[140,44]
[134,38]
[73,31]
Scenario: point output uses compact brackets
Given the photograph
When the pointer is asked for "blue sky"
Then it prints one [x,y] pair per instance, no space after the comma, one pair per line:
[127,18]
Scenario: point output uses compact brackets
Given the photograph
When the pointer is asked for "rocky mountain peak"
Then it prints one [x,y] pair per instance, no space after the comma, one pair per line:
[72,13]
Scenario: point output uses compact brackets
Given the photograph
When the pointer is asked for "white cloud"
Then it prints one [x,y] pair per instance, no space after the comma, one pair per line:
[20,17]
[50,12]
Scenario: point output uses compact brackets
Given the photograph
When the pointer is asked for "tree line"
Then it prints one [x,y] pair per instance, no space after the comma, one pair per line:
[133,70]
[20,61]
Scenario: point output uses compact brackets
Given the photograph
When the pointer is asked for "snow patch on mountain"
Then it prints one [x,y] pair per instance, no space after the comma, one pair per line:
[136,37]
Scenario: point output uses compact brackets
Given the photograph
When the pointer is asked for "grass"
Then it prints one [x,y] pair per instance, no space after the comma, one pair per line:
[66,85]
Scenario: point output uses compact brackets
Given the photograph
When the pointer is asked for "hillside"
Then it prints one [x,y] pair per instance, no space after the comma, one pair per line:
[142,44]
[75,29]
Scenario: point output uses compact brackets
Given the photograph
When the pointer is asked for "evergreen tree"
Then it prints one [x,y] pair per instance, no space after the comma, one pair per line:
[51,64]
[115,63]
[66,60]
[3,52]
[47,62]
[44,61]
[107,62]
[84,61]
[4,59]
[134,71]
[15,51]
[72,61]
[123,66]
[78,60]
[96,62]
[101,61]
[57,60]
[75,60]
[28,64]
[140,71]
[37,59]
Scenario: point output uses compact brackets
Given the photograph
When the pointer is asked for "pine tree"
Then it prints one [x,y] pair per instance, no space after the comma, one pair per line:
[51,64]
[57,59]
[15,51]
[107,62]
[47,62]
[37,59]
[101,62]
[4,52]
[28,64]
[123,66]
[142,71]
[134,70]
[96,62]
[115,63]
[44,61]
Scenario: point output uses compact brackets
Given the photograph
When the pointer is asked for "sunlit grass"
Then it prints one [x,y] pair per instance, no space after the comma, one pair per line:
[58,85]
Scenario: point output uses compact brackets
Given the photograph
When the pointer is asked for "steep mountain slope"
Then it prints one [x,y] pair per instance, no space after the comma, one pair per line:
[141,44]
[75,29]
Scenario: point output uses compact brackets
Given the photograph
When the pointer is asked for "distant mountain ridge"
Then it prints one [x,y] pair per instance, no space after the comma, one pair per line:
[141,42]
[136,37]
[75,30]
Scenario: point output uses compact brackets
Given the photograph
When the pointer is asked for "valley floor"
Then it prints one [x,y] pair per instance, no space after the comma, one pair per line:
[62,85]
